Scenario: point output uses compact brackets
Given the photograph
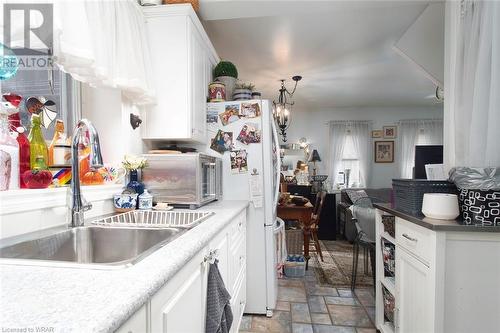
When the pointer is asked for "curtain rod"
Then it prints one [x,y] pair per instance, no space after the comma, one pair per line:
[349,122]
[416,120]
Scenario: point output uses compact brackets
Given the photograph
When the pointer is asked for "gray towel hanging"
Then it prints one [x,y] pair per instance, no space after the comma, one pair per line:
[219,315]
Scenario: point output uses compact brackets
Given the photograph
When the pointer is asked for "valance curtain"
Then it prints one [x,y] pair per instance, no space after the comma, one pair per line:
[104,43]
[475,103]
[360,132]
[412,133]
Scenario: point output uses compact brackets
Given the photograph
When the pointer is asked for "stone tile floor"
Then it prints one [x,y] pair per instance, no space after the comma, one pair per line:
[304,306]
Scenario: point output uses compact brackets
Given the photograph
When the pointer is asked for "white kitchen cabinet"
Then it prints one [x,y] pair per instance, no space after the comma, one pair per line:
[415,290]
[182,59]
[446,278]
[180,305]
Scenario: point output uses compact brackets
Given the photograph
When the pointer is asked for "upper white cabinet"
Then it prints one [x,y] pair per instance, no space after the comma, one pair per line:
[182,59]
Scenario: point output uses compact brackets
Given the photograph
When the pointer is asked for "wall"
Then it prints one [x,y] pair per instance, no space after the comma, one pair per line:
[313,126]
[110,114]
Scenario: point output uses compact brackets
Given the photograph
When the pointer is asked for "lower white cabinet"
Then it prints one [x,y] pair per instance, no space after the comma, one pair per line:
[180,305]
[445,281]
[415,310]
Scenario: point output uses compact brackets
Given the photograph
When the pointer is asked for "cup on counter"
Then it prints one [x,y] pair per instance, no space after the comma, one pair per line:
[112,173]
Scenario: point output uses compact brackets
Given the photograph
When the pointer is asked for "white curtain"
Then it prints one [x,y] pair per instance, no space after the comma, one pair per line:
[337,143]
[361,135]
[412,133]
[360,132]
[104,43]
[476,84]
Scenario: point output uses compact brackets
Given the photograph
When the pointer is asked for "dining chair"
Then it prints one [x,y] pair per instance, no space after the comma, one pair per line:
[315,219]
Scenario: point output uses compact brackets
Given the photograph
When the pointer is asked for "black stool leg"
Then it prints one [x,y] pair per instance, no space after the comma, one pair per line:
[355,257]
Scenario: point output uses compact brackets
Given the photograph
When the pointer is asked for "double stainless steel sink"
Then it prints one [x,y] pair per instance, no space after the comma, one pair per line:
[92,246]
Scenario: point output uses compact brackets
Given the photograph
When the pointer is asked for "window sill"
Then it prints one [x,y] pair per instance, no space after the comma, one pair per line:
[16,201]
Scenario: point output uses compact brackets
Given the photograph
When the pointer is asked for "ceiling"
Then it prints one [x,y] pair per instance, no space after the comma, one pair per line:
[343,49]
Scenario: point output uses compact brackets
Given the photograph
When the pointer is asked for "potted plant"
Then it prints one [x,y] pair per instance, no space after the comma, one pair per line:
[226,72]
[243,91]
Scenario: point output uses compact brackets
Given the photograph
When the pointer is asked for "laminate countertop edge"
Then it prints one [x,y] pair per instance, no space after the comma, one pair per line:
[434,224]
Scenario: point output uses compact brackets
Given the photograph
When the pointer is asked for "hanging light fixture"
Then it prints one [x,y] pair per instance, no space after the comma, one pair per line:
[283,106]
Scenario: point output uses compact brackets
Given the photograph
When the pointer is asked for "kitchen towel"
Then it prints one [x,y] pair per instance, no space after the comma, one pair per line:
[219,315]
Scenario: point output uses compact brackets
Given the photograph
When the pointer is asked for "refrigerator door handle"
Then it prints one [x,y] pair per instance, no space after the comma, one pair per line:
[278,164]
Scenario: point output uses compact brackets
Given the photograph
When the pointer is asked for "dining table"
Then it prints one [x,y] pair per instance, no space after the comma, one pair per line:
[303,214]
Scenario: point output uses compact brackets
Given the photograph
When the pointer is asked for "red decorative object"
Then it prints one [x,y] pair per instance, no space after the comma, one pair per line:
[39,177]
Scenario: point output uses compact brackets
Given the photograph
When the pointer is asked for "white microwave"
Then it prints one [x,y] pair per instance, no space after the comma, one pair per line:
[186,180]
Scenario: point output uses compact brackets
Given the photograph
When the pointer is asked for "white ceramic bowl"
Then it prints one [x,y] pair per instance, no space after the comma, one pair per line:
[442,206]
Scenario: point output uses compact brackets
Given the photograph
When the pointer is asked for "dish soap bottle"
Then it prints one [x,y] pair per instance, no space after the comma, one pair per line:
[38,146]
[145,200]
[9,155]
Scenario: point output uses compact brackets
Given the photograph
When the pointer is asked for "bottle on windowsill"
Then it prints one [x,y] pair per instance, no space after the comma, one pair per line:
[38,146]
[9,155]
[24,146]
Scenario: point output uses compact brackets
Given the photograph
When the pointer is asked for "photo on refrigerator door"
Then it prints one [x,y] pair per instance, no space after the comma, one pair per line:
[250,110]
[239,163]
[212,114]
[231,114]
[250,133]
[223,141]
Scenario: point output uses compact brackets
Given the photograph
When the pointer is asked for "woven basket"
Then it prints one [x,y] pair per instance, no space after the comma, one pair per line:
[294,241]
[194,3]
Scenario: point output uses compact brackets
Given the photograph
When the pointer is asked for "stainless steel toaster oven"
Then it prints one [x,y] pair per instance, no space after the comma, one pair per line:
[190,180]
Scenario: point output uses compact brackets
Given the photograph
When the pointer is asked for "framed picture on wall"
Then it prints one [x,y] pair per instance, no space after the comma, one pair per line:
[390,132]
[384,151]
[377,134]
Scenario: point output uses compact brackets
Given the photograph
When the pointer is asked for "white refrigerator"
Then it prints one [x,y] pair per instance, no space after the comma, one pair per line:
[258,183]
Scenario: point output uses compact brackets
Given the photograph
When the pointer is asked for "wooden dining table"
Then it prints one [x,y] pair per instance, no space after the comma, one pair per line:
[303,215]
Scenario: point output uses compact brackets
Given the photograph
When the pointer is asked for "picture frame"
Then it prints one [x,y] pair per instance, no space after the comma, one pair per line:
[384,151]
[377,134]
[390,132]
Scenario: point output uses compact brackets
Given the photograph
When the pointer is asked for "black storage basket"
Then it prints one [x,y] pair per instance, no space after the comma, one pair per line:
[409,193]
[479,207]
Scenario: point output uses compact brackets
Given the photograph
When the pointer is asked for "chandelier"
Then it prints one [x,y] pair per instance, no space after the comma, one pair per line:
[282,107]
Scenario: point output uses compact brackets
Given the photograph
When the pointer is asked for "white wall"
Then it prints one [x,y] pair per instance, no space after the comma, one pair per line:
[110,114]
[313,126]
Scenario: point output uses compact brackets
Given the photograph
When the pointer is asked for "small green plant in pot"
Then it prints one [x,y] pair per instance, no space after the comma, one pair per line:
[226,72]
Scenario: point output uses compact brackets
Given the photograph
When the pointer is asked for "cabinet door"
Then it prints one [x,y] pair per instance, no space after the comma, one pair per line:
[221,245]
[415,290]
[199,85]
[180,305]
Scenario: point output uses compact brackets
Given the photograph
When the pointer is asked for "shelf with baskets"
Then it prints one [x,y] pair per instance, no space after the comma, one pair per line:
[386,272]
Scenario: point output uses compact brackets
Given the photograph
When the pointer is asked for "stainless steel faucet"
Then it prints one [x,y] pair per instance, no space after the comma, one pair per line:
[79,205]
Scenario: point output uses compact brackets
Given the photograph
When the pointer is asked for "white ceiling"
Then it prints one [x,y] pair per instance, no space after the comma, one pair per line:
[343,49]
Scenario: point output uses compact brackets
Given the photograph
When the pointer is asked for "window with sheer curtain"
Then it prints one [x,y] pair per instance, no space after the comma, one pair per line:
[350,148]
[350,160]
[413,133]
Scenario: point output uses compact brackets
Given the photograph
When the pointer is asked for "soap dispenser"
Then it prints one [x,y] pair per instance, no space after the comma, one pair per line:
[145,200]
